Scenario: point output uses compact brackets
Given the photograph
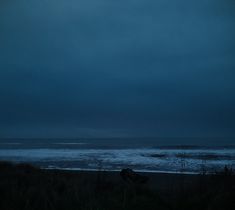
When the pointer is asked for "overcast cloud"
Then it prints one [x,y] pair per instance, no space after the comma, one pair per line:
[107,68]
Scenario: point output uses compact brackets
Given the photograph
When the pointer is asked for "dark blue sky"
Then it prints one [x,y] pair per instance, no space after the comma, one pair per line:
[107,68]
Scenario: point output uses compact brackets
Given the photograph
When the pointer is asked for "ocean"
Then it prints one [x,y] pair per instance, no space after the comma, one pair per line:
[170,155]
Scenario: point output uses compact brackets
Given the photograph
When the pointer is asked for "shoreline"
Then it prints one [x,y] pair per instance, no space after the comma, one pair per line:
[118,170]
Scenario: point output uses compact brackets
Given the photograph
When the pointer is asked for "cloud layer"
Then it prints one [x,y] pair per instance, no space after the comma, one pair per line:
[117,68]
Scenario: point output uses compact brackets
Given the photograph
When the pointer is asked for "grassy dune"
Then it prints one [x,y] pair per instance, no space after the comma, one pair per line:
[25,187]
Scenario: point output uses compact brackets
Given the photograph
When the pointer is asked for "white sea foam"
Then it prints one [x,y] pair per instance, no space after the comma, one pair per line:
[171,160]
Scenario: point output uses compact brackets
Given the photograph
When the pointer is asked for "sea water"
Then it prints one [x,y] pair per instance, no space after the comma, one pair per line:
[170,155]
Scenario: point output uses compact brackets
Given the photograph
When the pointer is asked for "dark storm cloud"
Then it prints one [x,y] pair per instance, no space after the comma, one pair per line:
[110,68]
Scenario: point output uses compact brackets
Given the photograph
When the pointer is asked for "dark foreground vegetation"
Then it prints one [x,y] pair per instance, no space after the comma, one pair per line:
[23,187]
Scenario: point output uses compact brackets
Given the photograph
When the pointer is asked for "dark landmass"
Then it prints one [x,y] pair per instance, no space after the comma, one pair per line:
[24,187]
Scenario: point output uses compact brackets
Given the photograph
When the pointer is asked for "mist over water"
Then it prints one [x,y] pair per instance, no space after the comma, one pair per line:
[116,143]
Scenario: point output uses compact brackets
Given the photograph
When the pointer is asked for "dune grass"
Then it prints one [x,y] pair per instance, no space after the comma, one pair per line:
[25,187]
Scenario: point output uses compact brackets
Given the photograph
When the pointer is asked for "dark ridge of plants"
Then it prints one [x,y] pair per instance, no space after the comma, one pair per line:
[25,187]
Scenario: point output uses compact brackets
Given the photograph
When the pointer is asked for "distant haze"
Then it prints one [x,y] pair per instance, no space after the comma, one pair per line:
[108,68]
